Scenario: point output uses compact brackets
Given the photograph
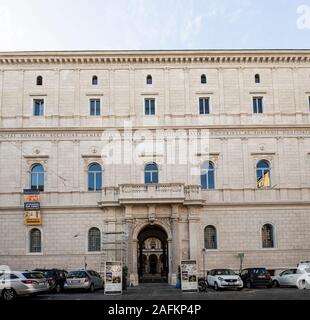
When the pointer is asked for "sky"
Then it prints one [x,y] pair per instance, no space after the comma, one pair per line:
[41,25]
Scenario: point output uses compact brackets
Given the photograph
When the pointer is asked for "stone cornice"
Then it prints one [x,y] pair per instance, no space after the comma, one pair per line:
[155,57]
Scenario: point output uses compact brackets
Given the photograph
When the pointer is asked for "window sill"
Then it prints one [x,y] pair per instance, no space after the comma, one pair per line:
[35,254]
[95,253]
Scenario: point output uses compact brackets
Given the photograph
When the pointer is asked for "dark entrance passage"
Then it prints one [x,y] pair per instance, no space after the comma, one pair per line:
[153,255]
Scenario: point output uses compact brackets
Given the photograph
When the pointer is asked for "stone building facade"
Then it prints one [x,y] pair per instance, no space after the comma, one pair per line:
[248,194]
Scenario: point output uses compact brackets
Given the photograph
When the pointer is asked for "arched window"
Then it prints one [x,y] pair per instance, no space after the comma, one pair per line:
[203,79]
[149,79]
[39,80]
[94,177]
[210,238]
[35,245]
[151,173]
[263,174]
[268,236]
[257,78]
[37,177]
[207,176]
[94,240]
[94,80]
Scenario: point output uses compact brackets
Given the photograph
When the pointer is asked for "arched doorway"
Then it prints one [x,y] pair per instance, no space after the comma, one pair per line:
[153,244]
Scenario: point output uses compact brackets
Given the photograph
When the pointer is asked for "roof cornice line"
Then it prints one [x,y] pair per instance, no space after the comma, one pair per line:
[156,57]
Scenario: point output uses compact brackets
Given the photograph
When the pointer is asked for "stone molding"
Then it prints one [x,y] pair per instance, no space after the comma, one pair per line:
[155,57]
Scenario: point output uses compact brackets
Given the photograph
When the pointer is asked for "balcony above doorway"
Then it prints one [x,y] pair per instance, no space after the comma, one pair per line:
[172,193]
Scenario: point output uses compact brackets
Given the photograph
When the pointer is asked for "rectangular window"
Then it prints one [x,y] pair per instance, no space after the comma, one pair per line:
[38,107]
[149,105]
[258,105]
[95,107]
[204,106]
[309,103]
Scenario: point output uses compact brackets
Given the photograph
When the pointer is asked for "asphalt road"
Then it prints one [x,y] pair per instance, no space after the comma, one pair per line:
[165,292]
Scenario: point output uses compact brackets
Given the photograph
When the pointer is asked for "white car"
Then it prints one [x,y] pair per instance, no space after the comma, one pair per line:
[21,283]
[223,279]
[303,282]
[287,278]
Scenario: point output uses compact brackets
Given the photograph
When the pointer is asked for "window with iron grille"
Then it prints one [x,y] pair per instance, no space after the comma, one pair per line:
[35,241]
[268,236]
[210,238]
[94,239]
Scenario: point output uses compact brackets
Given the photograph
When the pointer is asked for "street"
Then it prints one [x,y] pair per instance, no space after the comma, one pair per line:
[166,292]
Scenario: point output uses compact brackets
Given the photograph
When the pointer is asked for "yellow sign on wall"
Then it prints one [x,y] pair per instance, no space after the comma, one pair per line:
[32,218]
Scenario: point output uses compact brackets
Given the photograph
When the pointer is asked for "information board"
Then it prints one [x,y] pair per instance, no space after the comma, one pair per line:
[189,278]
[113,278]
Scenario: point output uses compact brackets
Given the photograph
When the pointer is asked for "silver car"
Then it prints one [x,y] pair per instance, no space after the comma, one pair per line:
[21,283]
[85,280]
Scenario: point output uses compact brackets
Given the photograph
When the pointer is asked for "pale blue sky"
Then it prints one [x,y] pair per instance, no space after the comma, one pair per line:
[152,24]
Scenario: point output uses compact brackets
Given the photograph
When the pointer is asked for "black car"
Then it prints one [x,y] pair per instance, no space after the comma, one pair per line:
[256,277]
[55,277]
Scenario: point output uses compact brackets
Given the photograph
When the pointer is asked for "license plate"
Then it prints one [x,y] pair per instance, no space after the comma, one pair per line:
[262,277]
[75,282]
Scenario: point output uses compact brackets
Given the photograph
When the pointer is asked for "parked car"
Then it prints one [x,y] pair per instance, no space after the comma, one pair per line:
[224,278]
[21,283]
[55,277]
[303,281]
[255,277]
[287,278]
[86,280]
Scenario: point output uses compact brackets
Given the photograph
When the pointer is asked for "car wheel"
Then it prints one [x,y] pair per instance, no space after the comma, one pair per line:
[216,287]
[58,288]
[269,286]
[9,294]
[275,284]
[302,284]
[91,288]
[249,284]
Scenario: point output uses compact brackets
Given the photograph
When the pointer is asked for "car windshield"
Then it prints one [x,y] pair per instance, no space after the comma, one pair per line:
[33,275]
[76,274]
[224,273]
[259,271]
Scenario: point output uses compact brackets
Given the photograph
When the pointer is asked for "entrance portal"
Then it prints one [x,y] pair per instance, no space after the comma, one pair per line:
[153,254]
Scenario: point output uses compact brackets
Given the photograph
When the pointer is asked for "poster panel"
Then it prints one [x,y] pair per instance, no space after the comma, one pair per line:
[189,278]
[113,278]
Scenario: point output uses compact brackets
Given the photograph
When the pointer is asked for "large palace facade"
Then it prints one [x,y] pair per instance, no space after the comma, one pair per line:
[74,126]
